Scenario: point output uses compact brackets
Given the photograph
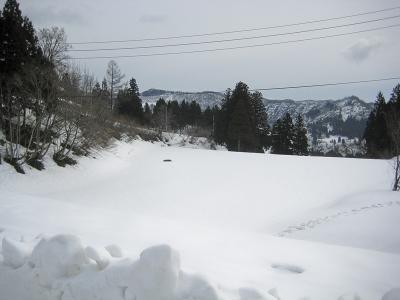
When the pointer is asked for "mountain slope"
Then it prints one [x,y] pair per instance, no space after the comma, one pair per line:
[345,117]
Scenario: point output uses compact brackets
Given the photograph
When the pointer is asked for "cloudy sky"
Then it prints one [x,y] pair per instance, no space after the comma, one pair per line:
[362,56]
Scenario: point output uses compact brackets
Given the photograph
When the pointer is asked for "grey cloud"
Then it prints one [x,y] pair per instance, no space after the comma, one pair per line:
[153,18]
[362,49]
[53,16]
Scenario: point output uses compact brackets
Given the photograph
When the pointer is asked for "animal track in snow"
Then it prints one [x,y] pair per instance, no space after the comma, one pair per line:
[315,222]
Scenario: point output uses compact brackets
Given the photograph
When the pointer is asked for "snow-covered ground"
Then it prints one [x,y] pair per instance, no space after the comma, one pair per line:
[246,226]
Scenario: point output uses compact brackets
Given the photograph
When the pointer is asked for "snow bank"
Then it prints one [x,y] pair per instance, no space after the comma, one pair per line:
[253,294]
[393,294]
[15,254]
[114,250]
[61,268]
[57,257]
[100,256]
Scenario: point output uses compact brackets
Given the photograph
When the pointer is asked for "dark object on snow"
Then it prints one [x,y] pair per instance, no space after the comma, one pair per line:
[35,163]
[62,161]
[15,164]
[167,160]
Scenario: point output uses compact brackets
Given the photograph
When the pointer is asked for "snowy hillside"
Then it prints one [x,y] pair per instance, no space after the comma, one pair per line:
[203,98]
[345,117]
[320,110]
[244,226]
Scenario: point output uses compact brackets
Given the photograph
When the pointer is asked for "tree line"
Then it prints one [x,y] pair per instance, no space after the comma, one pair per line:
[382,134]
[47,104]
[242,125]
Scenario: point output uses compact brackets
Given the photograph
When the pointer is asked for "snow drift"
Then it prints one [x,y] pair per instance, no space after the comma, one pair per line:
[60,268]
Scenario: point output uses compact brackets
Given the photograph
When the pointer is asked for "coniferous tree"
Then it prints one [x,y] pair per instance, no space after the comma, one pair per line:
[129,102]
[393,126]
[147,115]
[241,131]
[300,141]
[96,90]
[242,121]
[20,59]
[376,135]
[283,136]
[221,124]
[261,120]
[276,138]
[160,115]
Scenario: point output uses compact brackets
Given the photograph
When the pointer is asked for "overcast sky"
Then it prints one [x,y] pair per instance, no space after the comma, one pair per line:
[357,57]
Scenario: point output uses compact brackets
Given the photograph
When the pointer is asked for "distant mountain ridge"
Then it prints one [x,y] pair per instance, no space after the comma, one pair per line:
[345,116]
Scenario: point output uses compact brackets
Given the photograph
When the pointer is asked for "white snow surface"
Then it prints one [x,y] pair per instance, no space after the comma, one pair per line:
[247,227]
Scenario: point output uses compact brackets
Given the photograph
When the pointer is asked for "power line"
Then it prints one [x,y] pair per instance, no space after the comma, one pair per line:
[326,84]
[236,47]
[236,31]
[236,39]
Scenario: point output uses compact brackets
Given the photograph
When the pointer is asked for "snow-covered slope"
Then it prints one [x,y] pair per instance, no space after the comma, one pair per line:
[203,98]
[253,226]
[320,110]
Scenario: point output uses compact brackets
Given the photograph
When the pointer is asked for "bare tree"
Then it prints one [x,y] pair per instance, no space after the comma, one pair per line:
[114,79]
[53,42]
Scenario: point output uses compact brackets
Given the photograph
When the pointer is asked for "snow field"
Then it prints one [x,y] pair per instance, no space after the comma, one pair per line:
[254,226]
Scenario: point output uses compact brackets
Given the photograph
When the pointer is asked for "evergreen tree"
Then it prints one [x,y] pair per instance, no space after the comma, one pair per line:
[283,136]
[261,120]
[19,43]
[243,118]
[276,142]
[20,56]
[300,141]
[160,114]
[147,115]
[129,102]
[96,90]
[240,132]
[376,136]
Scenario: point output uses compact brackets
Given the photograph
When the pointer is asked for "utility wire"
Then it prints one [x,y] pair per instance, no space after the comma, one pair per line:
[326,84]
[236,39]
[235,31]
[236,47]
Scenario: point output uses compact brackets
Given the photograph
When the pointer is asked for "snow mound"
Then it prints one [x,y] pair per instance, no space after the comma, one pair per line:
[155,276]
[195,288]
[15,253]
[253,294]
[349,297]
[393,294]
[57,257]
[114,251]
[62,269]
[100,256]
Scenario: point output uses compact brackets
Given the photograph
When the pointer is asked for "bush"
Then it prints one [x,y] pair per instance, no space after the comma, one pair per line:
[35,163]
[62,160]
[15,164]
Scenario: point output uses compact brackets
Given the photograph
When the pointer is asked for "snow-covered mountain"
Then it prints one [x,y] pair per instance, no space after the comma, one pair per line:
[320,110]
[203,98]
[346,116]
